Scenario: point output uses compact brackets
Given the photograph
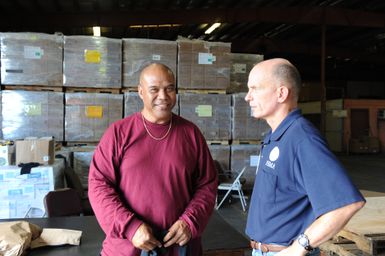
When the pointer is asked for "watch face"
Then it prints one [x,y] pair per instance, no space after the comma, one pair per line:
[303,241]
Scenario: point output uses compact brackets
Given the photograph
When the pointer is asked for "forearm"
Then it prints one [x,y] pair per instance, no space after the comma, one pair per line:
[329,224]
[324,228]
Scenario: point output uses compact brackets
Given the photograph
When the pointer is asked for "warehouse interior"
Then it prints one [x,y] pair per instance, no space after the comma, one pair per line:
[62,86]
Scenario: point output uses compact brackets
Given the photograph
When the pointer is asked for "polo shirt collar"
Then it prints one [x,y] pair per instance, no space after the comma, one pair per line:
[283,126]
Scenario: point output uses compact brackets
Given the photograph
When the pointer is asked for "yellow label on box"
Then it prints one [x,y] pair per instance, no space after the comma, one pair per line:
[204,110]
[94,111]
[92,56]
[32,109]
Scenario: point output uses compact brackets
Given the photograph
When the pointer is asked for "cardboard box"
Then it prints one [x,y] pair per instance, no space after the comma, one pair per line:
[40,150]
[31,59]
[29,113]
[22,196]
[7,155]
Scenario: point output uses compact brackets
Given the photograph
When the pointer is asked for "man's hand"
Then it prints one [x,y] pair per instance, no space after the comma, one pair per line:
[179,233]
[143,238]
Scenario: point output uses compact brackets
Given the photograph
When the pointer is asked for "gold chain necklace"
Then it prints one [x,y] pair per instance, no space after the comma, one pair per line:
[152,136]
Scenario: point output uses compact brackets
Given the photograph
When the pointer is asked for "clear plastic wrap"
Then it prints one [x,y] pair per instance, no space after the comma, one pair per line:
[210,112]
[31,59]
[245,126]
[203,65]
[88,115]
[92,62]
[221,153]
[241,65]
[138,53]
[32,114]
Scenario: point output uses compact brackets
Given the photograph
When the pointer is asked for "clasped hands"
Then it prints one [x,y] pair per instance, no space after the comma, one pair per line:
[179,233]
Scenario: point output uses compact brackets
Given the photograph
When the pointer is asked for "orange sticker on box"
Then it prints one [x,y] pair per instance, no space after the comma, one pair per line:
[92,56]
[94,111]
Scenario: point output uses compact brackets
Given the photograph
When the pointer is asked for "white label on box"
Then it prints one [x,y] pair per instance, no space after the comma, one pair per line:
[239,68]
[33,52]
[254,160]
[206,58]
[155,57]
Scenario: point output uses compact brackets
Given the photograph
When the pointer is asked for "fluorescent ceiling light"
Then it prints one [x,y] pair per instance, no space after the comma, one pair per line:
[211,29]
[96,31]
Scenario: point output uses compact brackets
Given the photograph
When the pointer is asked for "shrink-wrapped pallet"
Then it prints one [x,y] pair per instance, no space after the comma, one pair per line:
[91,61]
[203,65]
[241,65]
[210,112]
[31,59]
[88,115]
[32,114]
[138,53]
[244,126]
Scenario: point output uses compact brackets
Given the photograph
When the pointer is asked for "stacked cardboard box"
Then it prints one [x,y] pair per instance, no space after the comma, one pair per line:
[133,103]
[26,114]
[37,150]
[241,65]
[22,195]
[203,65]
[88,115]
[245,126]
[221,153]
[31,59]
[82,162]
[138,53]
[210,112]
[245,155]
[92,62]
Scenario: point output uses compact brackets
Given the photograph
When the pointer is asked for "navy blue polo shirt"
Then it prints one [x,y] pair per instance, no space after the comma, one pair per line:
[298,179]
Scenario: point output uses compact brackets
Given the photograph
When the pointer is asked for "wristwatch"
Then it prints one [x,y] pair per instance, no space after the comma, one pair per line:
[303,241]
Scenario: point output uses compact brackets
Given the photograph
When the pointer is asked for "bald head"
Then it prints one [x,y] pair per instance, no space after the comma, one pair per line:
[155,69]
[282,72]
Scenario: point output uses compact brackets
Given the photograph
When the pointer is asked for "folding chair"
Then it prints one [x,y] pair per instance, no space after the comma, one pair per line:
[234,186]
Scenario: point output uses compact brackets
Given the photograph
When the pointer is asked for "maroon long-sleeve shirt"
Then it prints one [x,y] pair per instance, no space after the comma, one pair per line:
[134,179]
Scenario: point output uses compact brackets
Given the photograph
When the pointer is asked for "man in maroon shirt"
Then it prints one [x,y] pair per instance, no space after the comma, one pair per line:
[152,180]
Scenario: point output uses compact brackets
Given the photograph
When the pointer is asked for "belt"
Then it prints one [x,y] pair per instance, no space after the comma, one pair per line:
[266,247]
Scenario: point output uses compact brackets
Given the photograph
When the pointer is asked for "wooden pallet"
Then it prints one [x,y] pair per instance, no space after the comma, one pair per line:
[37,88]
[247,142]
[80,144]
[345,248]
[130,89]
[92,90]
[217,142]
[201,91]
[366,231]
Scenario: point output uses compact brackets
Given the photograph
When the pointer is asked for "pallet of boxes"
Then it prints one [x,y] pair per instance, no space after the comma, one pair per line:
[92,81]
[32,118]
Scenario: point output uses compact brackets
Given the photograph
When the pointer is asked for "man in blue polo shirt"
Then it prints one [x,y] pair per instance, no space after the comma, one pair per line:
[302,195]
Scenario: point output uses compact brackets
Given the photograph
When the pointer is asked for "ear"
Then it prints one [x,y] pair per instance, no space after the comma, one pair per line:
[283,93]
[140,91]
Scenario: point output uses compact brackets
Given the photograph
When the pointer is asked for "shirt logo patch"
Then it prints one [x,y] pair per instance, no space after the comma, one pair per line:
[274,154]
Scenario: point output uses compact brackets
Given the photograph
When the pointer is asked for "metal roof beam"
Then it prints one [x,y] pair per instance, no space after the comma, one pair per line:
[292,15]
